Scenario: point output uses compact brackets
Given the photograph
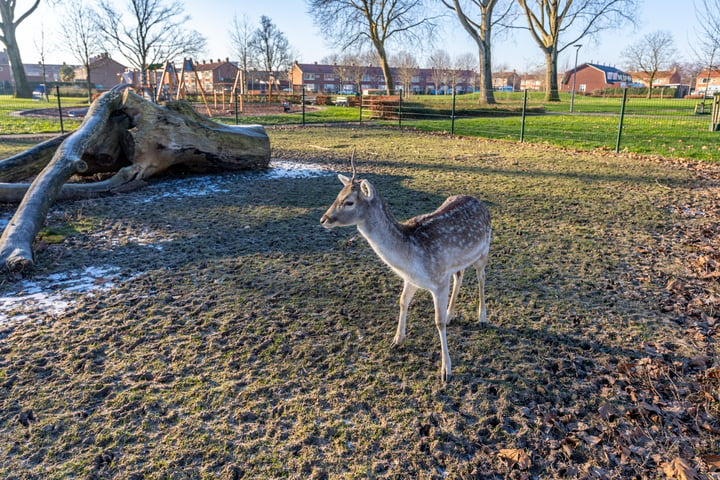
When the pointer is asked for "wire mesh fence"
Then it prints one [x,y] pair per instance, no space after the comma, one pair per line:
[674,127]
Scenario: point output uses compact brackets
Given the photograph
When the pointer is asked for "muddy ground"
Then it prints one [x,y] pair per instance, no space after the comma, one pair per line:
[226,334]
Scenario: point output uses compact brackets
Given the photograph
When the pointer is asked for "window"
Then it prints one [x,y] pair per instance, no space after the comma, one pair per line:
[329,87]
[308,76]
[329,76]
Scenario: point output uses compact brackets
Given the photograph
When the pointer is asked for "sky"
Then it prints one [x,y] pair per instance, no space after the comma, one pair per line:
[513,51]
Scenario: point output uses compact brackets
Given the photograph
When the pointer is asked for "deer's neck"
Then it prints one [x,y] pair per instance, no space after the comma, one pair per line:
[387,238]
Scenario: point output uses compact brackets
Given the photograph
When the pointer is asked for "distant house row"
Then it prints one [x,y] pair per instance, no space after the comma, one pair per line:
[224,76]
[324,78]
[104,72]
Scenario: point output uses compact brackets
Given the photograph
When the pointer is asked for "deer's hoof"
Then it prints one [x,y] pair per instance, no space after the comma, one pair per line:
[398,341]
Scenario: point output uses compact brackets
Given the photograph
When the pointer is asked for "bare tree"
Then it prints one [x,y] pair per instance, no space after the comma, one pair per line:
[549,19]
[8,26]
[465,69]
[81,38]
[360,62]
[650,54]
[240,37]
[375,22]
[148,32]
[708,46]
[343,67]
[441,67]
[42,51]
[271,49]
[480,30]
[406,67]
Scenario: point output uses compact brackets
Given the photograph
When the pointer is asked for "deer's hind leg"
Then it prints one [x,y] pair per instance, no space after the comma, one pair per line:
[480,271]
[406,297]
[440,299]
[457,282]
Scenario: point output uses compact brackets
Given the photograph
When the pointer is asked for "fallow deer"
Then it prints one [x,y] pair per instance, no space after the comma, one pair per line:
[426,251]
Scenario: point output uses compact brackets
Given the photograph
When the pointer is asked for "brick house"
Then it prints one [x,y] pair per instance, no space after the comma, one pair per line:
[661,79]
[214,76]
[591,77]
[105,72]
[6,79]
[323,78]
[506,81]
[532,81]
[708,82]
[33,71]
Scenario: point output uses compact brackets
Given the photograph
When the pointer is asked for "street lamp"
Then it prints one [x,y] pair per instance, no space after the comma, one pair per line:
[572,95]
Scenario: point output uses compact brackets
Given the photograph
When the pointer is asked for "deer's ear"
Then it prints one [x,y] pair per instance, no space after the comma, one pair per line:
[367,189]
[345,180]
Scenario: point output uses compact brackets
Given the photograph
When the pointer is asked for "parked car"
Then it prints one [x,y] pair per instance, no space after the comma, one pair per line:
[39,92]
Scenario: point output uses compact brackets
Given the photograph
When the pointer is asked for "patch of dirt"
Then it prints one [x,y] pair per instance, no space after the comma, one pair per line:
[243,340]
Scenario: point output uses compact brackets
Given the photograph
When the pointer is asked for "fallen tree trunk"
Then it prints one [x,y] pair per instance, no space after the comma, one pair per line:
[126,135]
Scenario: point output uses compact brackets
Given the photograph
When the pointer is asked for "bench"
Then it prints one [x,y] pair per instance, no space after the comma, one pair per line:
[341,101]
[309,99]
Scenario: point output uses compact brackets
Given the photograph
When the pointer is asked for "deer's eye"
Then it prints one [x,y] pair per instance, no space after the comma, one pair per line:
[349,204]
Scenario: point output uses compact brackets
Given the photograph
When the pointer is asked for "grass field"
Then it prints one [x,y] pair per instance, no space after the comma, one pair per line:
[665,127]
[12,123]
[240,339]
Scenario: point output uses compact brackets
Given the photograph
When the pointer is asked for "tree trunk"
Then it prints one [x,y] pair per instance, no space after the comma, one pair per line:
[22,87]
[487,96]
[385,67]
[551,80]
[123,134]
[16,240]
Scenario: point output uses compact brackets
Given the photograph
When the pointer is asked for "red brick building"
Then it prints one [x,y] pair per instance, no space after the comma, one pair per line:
[661,78]
[506,81]
[323,78]
[708,82]
[591,77]
[214,76]
[105,72]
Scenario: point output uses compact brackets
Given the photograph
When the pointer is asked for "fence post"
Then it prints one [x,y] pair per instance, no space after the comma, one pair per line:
[361,105]
[57,93]
[302,102]
[237,114]
[452,115]
[522,121]
[400,110]
[622,119]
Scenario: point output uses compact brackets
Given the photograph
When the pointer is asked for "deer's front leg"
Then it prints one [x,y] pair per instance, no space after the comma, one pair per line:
[406,297]
[440,298]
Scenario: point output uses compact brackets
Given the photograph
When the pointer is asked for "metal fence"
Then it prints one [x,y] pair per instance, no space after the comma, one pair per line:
[675,127]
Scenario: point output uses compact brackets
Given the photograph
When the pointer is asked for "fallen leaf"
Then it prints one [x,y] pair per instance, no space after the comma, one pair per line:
[606,411]
[713,462]
[679,469]
[516,457]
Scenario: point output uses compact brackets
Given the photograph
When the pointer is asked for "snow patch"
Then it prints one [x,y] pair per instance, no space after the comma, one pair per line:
[53,294]
[205,185]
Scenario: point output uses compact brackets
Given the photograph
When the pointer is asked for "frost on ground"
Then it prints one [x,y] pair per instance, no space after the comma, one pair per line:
[55,293]
[52,295]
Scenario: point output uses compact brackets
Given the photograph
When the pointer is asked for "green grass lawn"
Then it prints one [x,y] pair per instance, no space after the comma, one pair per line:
[244,340]
[11,123]
[666,127]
